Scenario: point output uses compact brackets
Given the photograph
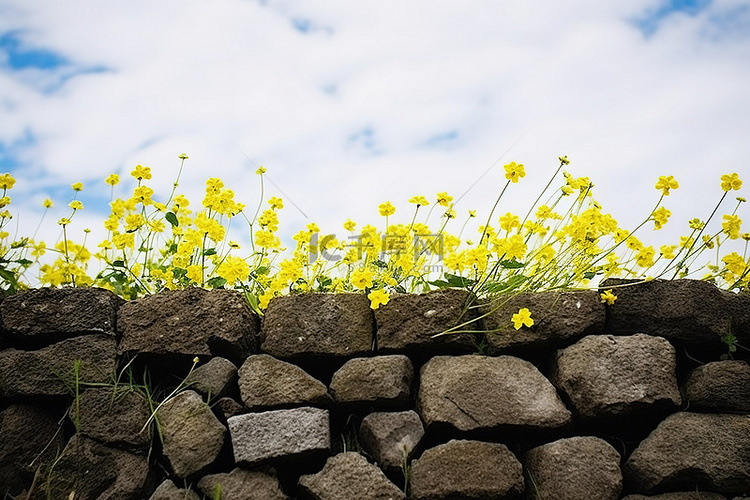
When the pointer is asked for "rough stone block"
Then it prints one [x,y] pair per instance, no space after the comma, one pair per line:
[721,386]
[484,393]
[190,322]
[347,476]
[380,382]
[605,375]
[559,318]
[279,435]
[318,324]
[242,484]
[168,491]
[390,437]
[113,415]
[213,379]
[266,382]
[467,470]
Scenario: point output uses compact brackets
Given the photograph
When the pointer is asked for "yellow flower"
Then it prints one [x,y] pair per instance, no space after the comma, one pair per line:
[361,278]
[564,160]
[665,183]
[6,181]
[660,215]
[195,273]
[513,171]
[47,203]
[233,269]
[378,298]
[112,179]
[261,170]
[64,221]
[509,221]
[667,251]
[76,205]
[731,226]
[645,257]
[386,209]
[608,297]
[450,213]
[78,186]
[735,263]
[696,223]
[444,199]
[419,201]
[472,213]
[349,225]
[522,318]
[730,181]
[141,172]
[4,201]
[183,156]
[276,203]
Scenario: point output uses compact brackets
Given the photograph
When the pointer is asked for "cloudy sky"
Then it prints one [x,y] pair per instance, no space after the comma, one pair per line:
[349,104]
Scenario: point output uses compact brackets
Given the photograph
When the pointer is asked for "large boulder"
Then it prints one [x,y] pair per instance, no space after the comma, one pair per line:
[325,325]
[467,470]
[605,375]
[241,484]
[113,415]
[689,451]
[266,382]
[411,323]
[381,382]
[721,386]
[390,437]
[213,379]
[279,435]
[473,393]
[33,318]
[347,476]
[559,318]
[56,369]
[191,434]
[188,323]
[577,468]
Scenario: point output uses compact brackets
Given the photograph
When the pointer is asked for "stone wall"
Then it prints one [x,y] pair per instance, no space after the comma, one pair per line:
[188,394]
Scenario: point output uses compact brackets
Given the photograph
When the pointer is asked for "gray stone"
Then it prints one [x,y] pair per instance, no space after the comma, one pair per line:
[190,322]
[559,318]
[191,433]
[168,491]
[318,324]
[113,415]
[50,371]
[721,386]
[683,309]
[347,476]
[45,315]
[94,471]
[241,484]
[228,407]
[605,375]
[466,470]
[577,468]
[30,439]
[213,379]
[279,435]
[481,393]
[693,450]
[382,381]
[682,495]
[390,437]
[412,323]
[267,382]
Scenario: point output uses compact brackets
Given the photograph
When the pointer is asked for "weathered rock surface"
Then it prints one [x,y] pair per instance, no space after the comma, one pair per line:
[693,450]
[467,470]
[190,322]
[213,379]
[191,433]
[267,382]
[390,437]
[409,323]
[682,495]
[279,435]
[606,375]
[721,386]
[480,392]
[688,310]
[577,468]
[559,317]
[95,471]
[318,324]
[381,381]
[29,440]
[347,476]
[35,317]
[50,371]
[228,407]
[241,484]
[113,415]
[168,491]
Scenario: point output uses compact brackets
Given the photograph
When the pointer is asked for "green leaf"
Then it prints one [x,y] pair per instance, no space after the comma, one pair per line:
[118,263]
[209,251]
[25,262]
[458,281]
[216,282]
[440,284]
[262,270]
[511,264]
[172,219]
[515,281]
[380,264]
[495,286]
[10,277]
[589,275]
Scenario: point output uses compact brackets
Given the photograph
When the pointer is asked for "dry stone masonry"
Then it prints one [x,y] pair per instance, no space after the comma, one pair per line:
[190,395]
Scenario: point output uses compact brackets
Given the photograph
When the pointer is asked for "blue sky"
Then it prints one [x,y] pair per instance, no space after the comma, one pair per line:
[349,104]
